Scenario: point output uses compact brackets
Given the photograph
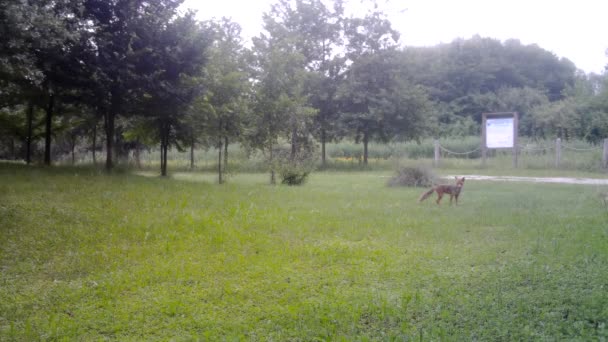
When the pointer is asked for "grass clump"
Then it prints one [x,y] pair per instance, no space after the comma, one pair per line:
[413,176]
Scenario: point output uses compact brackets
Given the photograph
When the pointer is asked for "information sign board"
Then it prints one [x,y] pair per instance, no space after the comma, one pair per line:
[499,132]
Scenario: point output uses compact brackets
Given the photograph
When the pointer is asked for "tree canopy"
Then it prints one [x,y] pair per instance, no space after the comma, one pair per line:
[152,74]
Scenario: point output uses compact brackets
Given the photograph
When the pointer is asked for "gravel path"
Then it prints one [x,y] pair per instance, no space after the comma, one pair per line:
[562,180]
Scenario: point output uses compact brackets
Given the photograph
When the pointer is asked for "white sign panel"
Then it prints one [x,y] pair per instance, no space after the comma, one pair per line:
[499,133]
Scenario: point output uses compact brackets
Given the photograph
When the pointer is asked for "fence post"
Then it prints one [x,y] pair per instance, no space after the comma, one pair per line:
[483,139]
[605,154]
[437,155]
[515,138]
[558,151]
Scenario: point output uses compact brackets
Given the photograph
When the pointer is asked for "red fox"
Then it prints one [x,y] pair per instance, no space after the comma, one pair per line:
[452,190]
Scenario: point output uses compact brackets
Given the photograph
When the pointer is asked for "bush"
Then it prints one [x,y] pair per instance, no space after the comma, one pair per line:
[293,176]
[418,176]
[294,170]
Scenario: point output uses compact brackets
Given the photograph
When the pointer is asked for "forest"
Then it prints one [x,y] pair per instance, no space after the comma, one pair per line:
[116,77]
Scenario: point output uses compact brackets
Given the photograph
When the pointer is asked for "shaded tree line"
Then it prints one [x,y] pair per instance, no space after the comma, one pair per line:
[466,78]
[132,74]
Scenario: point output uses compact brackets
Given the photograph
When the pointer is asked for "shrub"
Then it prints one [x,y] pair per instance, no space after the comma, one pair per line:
[293,170]
[293,176]
[413,176]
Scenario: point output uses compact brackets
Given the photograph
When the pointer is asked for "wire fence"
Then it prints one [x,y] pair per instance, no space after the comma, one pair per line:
[459,153]
[581,149]
[556,150]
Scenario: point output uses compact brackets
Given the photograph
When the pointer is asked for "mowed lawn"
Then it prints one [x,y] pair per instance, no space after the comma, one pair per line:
[86,256]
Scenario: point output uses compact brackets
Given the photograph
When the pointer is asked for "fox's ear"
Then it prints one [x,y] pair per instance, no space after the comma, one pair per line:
[456,177]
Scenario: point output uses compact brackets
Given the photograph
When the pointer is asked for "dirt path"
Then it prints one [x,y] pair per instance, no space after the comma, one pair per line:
[562,180]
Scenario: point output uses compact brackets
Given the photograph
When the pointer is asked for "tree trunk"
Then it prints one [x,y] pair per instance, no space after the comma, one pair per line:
[323,147]
[48,128]
[13,149]
[73,147]
[273,180]
[165,148]
[365,142]
[192,153]
[138,154]
[95,142]
[225,154]
[219,160]
[162,153]
[115,105]
[28,142]
[294,133]
[110,117]
[164,141]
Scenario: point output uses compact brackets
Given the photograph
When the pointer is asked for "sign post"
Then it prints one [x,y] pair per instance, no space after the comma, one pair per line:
[499,130]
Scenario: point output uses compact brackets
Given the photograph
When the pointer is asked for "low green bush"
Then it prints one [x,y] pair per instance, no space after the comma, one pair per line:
[294,169]
[413,176]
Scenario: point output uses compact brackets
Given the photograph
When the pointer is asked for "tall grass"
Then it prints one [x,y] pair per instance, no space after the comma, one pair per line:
[456,153]
[89,256]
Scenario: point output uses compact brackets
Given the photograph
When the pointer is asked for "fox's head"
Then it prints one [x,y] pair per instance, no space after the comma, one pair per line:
[459,181]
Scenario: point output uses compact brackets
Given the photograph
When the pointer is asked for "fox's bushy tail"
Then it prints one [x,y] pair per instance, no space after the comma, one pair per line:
[426,195]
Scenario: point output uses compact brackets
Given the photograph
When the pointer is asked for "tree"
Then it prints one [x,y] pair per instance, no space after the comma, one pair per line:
[469,75]
[556,118]
[224,103]
[318,32]
[176,58]
[379,104]
[371,94]
[282,106]
[140,131]
[12,127]
[72,126]
[279,106]
[324,87]
[523,101]
[38,54]
[124,58]
[590,101]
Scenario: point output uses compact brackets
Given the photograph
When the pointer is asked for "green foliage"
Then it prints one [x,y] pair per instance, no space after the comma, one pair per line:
[477,67]
[379,105]
[314,72]
[293,174]
[294,169]
[411,150]
[413,176]
[281,106]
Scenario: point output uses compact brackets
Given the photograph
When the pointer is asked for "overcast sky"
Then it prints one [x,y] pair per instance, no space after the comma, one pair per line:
[576,30]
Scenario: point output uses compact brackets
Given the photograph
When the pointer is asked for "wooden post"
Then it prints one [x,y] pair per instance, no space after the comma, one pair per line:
[515,134]
[437,155]
[605,155]
[483,140]
[558,152]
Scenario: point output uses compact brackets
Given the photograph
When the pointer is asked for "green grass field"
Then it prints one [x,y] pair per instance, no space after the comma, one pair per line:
[87,256]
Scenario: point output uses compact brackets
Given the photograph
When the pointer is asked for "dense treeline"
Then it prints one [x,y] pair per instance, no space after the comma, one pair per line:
[468,77]
[79,74]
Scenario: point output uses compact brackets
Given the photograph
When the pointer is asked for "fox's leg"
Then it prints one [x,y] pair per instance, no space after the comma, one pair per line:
[451,197]
[457,199]
[439,196]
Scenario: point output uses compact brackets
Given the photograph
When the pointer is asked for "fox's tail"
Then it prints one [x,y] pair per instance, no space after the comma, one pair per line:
[426,195]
